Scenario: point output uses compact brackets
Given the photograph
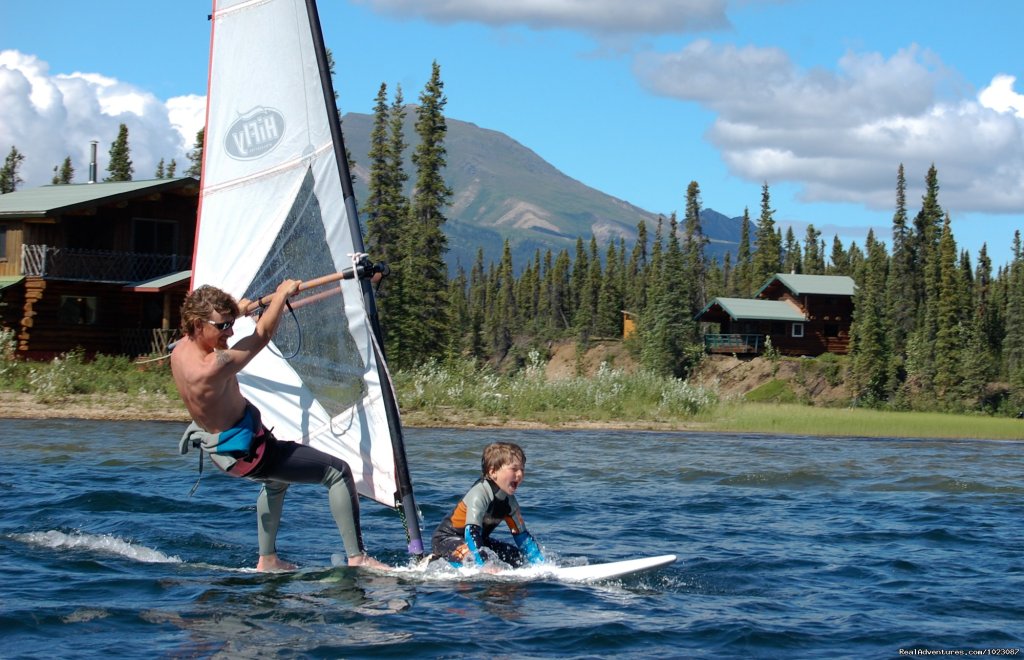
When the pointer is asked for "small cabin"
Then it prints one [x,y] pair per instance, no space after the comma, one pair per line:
[99,266]
[799,314]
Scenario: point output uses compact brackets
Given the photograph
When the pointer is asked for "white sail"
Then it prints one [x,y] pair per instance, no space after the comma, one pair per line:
[273,205]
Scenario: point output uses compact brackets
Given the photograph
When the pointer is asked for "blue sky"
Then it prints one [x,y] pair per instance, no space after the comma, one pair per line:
[822,100]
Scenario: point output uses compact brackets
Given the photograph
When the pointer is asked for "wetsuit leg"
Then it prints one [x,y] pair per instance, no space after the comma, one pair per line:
[507,552]
[269,505]
[452,548]
[292,463]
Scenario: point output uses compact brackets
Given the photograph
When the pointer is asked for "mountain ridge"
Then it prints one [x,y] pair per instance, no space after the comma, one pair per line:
[501,189]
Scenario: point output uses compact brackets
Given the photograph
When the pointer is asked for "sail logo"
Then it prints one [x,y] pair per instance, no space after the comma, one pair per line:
[254,133]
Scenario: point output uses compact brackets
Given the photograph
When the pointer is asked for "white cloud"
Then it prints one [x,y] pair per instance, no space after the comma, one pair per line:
[841,135]
[596,16]
[49,117]
[999,96]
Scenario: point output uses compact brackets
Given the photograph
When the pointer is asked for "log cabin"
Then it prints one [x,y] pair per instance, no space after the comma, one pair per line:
[794,314]
[101,267]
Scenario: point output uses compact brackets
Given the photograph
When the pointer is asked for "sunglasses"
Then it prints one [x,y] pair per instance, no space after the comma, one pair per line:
[222,326]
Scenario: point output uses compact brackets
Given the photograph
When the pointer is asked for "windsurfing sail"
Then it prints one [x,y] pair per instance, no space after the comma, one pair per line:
[276,202]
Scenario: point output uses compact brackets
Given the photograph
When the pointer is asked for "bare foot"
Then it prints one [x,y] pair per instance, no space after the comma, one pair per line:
[366,561]
[272,564]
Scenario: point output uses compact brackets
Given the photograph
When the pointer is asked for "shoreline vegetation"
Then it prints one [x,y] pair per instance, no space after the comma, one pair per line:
[468,396]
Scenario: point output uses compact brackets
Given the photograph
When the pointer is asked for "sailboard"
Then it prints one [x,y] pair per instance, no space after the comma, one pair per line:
[276,202]
[611,570]
[441,570]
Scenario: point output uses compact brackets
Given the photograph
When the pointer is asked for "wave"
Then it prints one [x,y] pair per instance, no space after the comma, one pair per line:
[104,543]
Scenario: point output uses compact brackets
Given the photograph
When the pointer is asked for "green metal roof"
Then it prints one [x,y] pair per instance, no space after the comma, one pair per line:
[50,200]
[11,280]
[760,310]
[160,283]
[824,285]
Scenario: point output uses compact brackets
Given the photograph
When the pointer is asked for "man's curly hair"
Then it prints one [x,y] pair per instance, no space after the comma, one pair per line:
[201,303]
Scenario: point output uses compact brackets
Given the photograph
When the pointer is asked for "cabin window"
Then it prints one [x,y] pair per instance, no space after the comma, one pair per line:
[151,236]
[831,329]
[3,242]
[77,310]
[797,330]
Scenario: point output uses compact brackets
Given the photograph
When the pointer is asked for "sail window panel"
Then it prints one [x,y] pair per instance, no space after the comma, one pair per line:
[314,335]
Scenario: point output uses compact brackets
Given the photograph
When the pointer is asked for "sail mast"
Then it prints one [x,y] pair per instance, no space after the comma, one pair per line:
[404,497]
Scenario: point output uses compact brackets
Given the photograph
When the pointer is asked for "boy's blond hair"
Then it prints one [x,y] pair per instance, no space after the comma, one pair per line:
[499,454]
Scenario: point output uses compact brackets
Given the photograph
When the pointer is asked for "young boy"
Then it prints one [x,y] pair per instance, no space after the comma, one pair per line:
[465,534]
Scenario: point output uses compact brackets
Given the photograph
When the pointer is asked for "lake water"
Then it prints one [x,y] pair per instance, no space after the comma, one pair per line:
[788,547]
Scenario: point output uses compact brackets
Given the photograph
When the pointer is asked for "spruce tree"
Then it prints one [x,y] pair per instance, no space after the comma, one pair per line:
[560,287]
[505,323]
[949,334]
[459,317]
[744,260]
[540,313]
[839,259]
[388,207]
[477,307]
[813,258]
[9,177]
[986,305]
[424,271]
[926,277]
[633,285]
[695,263]
[792,259]
[1013,341]
[546,314]
[379,226]
[120,165]
[978,356]
[767,259]
[901,294]
[728,282]
[586,313]
[172,168]
[578,281]
[195,156]
[159,174]
[668,329]
[869,351]
[63,173]
[610,302]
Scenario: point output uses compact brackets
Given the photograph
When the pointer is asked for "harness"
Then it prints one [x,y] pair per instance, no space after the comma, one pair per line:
[239,451]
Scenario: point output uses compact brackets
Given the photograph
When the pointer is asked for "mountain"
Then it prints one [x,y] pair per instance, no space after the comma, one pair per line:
[503,190]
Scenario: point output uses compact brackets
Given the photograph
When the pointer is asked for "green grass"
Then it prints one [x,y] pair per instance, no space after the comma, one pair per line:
[467,394]
[610,395]
[777,391]
[792,419]
[70,375]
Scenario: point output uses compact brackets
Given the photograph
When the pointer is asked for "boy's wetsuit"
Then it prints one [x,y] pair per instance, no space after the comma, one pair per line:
[466,531]
[276,464]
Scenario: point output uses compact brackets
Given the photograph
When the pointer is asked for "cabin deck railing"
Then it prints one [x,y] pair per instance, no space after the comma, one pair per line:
[733,343]
[98,265]
[146,341]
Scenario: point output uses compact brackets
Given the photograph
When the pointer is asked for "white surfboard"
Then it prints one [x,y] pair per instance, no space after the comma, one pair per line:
[443,571]
[609,570]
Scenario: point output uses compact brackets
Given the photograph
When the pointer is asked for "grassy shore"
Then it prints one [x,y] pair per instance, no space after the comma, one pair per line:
[794,419]
[466,396]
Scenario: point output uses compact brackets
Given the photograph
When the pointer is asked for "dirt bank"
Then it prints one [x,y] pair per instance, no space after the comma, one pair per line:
[815,381]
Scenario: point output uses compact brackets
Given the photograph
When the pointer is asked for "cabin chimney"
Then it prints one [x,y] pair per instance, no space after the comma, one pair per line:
[92,162]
